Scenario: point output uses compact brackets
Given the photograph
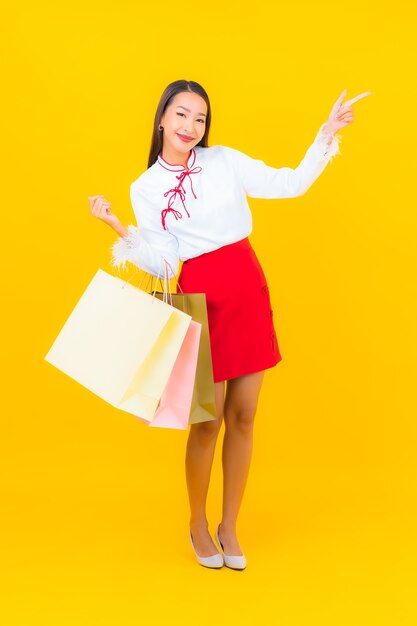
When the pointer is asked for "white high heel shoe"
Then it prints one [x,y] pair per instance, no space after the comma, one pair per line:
[234,562]
[214,560]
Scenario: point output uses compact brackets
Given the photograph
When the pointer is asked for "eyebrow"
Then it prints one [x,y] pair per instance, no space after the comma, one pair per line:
[185,109]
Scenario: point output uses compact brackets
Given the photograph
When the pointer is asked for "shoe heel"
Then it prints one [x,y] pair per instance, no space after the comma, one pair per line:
[214,561]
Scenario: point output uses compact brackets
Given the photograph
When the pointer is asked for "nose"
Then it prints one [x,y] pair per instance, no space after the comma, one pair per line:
[188,126]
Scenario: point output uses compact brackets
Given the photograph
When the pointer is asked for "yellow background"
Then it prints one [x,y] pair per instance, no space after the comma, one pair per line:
[94,521]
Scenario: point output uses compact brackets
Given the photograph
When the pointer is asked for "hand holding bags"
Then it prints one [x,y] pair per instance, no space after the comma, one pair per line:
[121,343]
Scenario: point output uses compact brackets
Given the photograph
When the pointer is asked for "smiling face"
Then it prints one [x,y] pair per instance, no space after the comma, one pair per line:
[184,122]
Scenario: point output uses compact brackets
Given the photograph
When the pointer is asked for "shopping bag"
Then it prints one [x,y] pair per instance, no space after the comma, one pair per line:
[121,343]
[203,407]
[174,408]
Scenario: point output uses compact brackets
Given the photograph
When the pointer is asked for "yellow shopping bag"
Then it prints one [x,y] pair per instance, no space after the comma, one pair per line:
[121,343]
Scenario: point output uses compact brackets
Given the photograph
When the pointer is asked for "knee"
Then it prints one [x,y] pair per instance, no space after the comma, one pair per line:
[241,419]
[207,430]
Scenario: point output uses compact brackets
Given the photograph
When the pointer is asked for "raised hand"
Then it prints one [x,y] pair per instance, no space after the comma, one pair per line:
[342,112]
[101,208]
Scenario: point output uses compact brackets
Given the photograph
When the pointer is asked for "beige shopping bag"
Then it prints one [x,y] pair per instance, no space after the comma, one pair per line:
[121,343]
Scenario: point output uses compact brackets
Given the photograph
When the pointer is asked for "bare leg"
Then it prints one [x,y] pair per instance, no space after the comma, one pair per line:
[239,413]
[201,446]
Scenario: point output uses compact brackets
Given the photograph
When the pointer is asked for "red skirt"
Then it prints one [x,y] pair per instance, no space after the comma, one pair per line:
[242,333]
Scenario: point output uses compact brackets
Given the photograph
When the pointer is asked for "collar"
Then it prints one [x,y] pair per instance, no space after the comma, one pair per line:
[177,167]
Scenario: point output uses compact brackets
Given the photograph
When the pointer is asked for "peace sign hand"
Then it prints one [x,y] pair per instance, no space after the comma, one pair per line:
[342,114]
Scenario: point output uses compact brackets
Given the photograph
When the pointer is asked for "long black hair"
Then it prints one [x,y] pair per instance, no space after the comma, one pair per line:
[170,91]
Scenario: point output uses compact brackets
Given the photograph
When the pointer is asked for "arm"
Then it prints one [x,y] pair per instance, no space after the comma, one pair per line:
[148,244]
[120,229]
[262,181]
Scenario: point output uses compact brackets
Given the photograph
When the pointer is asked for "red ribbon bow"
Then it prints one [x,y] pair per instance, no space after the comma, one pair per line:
[179,189]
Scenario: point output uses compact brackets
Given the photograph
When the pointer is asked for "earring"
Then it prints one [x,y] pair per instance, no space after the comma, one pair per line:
[161,127]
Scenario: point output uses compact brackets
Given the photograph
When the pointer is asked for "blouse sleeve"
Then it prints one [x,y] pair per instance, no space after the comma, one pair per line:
[146,245]
[262,181]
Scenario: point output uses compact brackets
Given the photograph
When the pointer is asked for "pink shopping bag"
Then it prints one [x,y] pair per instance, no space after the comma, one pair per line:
[175,404]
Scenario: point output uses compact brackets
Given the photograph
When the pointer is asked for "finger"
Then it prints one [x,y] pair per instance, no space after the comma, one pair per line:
[345,107]
[97,206]
[98,212]
[103,212]
[99,201]
[100,207]
[339,101]
[356,98]
[343,114]
[93,207]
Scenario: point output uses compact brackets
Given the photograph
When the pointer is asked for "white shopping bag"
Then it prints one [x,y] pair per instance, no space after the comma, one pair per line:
[121,343]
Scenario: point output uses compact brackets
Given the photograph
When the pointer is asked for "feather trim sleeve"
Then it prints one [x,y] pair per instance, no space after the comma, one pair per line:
[150,256]
[146,245]
[328,151]
[126,248]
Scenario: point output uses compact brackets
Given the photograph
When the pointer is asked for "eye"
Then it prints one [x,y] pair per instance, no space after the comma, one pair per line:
[200,120]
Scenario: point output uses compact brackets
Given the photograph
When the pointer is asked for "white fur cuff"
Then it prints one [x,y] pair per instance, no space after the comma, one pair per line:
[125,248]
[329,151]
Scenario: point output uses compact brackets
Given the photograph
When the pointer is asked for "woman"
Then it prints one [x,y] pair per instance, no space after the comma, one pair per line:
[190,206]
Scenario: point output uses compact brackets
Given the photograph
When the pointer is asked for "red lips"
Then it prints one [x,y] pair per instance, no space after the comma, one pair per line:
[185,138]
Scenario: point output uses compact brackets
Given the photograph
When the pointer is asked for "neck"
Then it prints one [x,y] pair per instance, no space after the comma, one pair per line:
[175,158]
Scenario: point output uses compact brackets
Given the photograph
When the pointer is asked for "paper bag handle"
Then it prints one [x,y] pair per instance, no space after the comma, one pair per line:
[165,286]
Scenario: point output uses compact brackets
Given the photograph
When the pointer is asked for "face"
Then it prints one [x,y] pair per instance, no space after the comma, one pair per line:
[184,118]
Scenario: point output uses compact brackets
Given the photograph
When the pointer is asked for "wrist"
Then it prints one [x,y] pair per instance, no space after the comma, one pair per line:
[328,128]
[119,228]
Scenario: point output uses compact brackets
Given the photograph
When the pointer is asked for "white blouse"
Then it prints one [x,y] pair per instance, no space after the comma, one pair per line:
[182,212]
